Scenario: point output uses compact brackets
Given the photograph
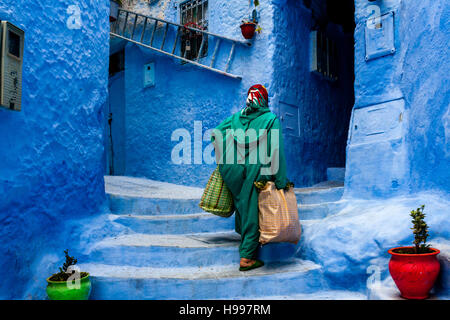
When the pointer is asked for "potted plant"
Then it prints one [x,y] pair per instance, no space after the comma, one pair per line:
[415,269]
[69,284]
[248,27]
[114,9]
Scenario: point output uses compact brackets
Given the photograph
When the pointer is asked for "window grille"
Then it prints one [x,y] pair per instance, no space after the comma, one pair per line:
[193,13]
[324,58]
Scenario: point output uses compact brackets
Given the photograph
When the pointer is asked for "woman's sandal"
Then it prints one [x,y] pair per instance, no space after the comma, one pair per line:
[257,264]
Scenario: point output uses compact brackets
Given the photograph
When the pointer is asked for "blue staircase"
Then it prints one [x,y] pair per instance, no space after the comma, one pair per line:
[319,201]
[172,250]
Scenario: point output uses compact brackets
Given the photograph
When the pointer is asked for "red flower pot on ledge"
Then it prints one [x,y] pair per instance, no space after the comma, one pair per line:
[414,274]
[248,29]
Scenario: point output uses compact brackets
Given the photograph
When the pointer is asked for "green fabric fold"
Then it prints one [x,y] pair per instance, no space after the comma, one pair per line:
[241,173]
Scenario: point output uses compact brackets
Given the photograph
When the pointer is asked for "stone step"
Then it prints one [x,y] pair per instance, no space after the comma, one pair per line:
[150,197]
[191,250]
[164,207]
[182,224]
[319,295]
[313,211]
[139,196]
[175,224]
[319,194]
[215,282]
[387,290]
[140,250]
[318,211]
[152,206]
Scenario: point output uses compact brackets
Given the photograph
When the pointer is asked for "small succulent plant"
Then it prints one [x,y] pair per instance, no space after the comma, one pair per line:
[63,274]
[420,230]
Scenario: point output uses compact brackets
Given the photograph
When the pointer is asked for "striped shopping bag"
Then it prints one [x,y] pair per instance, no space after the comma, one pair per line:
[278,214]
[217,198]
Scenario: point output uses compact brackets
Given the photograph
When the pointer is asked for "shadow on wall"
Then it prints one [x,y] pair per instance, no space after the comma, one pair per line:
[317,111]
[181,95]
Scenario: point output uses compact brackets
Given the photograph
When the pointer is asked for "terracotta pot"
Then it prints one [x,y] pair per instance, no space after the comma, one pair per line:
[248,30]
[414,274]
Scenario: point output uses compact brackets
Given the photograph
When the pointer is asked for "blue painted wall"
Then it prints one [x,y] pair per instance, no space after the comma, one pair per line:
[397,152]
[322,108]
[115,131]
[184,93]
[397,140]
[52,151]
[278,59]
[399,136]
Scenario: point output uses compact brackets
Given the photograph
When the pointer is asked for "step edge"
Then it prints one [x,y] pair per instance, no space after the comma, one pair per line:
[185,271]
[137,197]
[125,245]
[105,243]
[159,217]
[318,205]
[308,191]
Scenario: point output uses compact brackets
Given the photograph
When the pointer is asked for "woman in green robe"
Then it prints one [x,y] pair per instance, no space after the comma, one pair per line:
[251,149]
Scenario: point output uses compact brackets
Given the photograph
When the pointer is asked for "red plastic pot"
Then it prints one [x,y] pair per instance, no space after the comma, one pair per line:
[248,30]
[414,274]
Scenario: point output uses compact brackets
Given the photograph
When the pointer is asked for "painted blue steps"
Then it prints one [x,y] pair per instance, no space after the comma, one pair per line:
[141,196]
[138,196]
[326,192]
[152,206]
[320,200]
[213,282]
[172,250]
[318,295]
[175,224]
[191,250]
[318,210]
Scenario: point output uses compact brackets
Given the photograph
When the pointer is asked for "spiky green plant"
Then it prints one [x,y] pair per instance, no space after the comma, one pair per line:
[70,261]
[420,230]
[63,275]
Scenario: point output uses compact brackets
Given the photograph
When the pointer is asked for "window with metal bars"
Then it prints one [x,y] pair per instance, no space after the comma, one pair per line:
[193,13]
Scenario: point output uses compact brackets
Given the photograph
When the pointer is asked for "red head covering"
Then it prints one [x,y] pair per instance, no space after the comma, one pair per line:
[261,89]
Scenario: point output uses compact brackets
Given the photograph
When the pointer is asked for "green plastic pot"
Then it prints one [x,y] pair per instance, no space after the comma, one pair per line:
[58,290]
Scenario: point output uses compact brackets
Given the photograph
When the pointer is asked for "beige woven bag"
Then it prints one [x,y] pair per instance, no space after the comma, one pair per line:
[278,215]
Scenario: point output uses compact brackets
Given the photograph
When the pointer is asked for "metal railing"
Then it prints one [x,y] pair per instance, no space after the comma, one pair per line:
[128,27]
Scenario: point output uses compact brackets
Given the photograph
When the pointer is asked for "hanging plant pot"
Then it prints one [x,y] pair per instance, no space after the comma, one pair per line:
[414,274]
[113,10]
[248,29]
